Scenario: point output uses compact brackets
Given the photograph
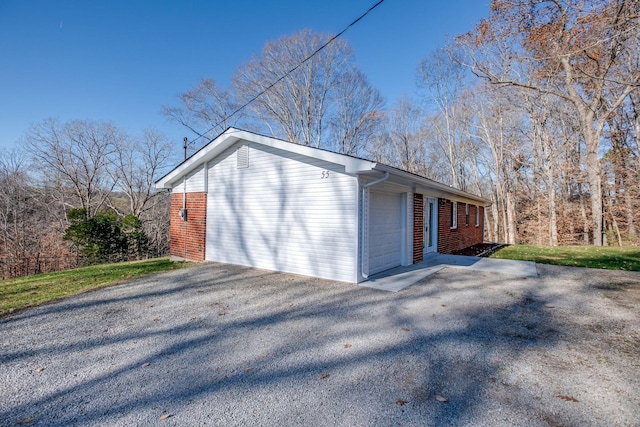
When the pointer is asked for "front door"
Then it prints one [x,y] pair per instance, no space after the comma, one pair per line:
[430,226]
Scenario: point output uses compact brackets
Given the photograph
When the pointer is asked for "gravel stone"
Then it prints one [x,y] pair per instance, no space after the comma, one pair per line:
[217,344]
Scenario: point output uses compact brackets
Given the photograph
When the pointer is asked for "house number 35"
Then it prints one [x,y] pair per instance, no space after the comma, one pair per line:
[325,174]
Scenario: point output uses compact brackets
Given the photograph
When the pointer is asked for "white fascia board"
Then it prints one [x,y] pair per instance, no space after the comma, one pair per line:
[202,156]
[229,137]
[429,184]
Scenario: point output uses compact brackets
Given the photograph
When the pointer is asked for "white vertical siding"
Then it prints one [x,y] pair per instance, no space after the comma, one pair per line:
[284,212]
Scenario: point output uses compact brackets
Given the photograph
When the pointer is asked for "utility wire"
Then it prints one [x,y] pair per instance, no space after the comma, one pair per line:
[288,72]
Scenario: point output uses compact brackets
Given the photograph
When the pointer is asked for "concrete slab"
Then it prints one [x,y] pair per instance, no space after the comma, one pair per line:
[398,278]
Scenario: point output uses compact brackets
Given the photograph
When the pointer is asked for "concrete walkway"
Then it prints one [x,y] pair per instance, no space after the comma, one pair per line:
[399,278]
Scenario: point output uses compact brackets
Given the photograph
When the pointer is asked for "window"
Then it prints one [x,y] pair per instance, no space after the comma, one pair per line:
[466,214]
[454,215]
[477,216]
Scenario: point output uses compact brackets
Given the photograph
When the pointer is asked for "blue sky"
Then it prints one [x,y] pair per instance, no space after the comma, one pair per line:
[121,61]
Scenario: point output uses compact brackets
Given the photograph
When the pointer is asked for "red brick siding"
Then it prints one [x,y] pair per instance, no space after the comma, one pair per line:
[453,239]
[418,227]
[187,238]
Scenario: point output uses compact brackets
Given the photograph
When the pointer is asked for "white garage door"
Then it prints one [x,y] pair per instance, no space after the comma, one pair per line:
[385,231]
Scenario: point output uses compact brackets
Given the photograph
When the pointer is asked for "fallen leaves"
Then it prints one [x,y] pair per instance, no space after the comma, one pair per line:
[567,398]
[441,399]
[401,402]
[324,376]
[144,365]
[24,421]
[165,416]
[347,346]
[406,329]
[40,369]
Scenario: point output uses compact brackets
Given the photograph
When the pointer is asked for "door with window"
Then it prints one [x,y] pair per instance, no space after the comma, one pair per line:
[430,226]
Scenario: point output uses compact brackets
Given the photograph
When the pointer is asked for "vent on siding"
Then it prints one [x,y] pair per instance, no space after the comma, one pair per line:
[242,156]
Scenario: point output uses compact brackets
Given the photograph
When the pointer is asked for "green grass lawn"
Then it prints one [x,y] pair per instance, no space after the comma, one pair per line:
[610,258]
[30,291]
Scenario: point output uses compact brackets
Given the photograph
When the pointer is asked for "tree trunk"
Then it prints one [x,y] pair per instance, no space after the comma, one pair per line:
[495,215]
[594,177]
[511,219]
[628,201]
[553,219]
[585,220]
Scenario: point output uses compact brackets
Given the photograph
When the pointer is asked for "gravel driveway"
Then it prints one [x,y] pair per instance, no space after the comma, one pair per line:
[224,345]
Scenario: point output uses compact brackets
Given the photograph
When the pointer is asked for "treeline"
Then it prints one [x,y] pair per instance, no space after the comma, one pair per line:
[536,109]
[78,193]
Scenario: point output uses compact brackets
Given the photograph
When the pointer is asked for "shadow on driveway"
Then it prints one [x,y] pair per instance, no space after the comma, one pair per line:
[227,345]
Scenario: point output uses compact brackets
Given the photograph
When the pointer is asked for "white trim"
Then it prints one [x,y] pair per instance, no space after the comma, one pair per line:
[433,226]
[453,220]
[229,137]
[205,166]
[352,165]
[404,241]
[467,220]
[358,233]
[437,189]
[365,233]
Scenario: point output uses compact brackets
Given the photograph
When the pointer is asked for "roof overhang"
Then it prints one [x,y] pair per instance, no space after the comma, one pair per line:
[435,187]
[352,165]
[229,137]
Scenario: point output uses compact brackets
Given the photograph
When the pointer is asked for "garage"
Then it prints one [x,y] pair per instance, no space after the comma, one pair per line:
[385,231]
[259,201]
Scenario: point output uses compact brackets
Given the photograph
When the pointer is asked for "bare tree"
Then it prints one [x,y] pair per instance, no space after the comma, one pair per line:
[405,146]
[30,233]
[568,49]
[135,165]
[497,127]
[75,156]
[442,77]
[295,107]
[358,113]
[207,110]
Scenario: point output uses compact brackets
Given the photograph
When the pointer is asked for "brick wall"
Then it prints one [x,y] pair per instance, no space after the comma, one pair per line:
[418,227]
[187,238]
[453,239]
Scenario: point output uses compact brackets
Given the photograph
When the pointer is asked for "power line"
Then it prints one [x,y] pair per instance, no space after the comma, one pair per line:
[288,72]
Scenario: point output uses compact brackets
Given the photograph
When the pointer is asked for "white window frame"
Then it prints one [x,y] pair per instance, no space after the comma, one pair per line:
[466,214]
[477,216]
[454,215]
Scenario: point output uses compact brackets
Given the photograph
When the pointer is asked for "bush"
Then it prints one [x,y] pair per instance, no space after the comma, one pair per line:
[105,237]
